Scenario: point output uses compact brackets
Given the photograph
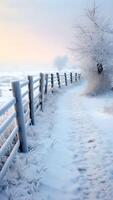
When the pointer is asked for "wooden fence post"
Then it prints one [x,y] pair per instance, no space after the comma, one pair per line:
[20,116]
[75,77]
[52,82]
[31,100]
[79,76]
[71,77]
[42,91]
[46,83]
[58,79]
[65,75]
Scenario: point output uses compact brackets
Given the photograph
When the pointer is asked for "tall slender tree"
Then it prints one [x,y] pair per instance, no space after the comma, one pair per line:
[93,46]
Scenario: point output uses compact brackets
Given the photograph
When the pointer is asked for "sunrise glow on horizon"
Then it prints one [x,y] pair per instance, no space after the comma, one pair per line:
[36,32]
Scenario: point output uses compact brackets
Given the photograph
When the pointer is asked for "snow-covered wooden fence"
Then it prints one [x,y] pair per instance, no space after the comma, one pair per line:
[11,143]
[20,112]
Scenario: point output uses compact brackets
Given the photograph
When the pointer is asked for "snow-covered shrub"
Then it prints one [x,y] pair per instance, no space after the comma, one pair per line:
[93,47]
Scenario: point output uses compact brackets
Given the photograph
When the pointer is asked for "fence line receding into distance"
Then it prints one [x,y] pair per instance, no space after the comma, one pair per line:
[20,112]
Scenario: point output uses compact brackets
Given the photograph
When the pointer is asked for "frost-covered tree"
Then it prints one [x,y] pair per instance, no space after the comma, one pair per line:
[61,62]
[93,46]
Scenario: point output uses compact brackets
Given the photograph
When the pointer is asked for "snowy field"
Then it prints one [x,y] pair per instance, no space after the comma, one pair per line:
[70,151]
[6,80]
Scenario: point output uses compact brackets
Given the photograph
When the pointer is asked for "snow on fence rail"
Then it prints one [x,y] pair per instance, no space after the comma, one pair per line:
[11,144]
[20,112]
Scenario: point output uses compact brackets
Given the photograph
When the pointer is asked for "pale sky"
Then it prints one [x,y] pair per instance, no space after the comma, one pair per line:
[34,32]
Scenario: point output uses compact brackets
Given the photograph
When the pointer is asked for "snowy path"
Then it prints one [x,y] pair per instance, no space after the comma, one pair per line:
[71,151]
[79,163]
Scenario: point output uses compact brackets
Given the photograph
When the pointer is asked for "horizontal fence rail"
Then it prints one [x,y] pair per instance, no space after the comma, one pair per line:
[20,111]
[9,133]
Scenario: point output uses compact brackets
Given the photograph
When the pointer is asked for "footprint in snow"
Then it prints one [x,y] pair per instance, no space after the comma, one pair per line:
[75,156]
[92,140]
[80,169]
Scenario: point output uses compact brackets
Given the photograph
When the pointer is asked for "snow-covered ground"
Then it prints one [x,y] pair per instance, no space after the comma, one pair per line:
[70,151]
